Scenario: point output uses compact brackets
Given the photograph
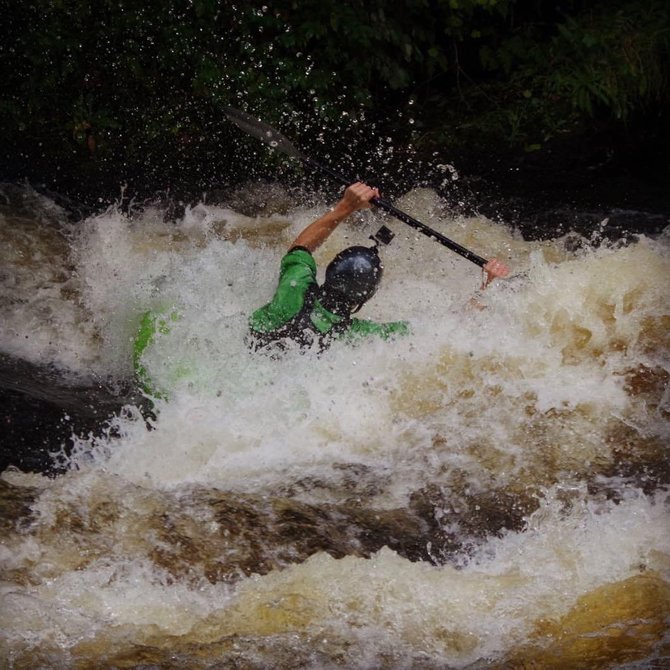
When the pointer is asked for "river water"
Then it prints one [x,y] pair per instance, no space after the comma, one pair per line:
[489,492]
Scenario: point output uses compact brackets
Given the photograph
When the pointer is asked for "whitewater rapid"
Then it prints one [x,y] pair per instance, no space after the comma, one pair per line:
[490,489]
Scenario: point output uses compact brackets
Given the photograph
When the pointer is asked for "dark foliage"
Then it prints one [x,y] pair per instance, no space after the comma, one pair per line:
[96,93]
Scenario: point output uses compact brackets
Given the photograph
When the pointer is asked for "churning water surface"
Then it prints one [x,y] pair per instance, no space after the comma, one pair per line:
[488,492]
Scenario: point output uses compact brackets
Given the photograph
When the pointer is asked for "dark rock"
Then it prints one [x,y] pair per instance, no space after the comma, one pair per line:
[40,412]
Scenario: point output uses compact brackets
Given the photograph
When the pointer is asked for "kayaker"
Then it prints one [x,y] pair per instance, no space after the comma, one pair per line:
[310,315]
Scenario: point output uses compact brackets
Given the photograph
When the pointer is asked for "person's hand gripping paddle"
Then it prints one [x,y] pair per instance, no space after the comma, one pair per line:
[274,139]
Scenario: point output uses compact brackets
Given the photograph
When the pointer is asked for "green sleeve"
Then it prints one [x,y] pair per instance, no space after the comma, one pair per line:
[151,323]
[297,274]
[363,328]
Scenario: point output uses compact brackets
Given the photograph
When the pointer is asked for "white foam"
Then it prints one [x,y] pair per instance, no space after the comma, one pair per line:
[234,417]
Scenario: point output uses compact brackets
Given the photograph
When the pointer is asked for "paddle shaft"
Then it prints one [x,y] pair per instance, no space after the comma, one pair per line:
[405,218]
[276,140]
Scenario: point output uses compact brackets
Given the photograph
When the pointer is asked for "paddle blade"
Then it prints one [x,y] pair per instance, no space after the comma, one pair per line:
[262,131]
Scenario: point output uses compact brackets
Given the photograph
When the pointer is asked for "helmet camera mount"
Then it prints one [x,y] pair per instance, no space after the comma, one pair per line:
[383,236]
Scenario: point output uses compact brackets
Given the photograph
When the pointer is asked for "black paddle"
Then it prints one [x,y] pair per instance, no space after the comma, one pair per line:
[276,140]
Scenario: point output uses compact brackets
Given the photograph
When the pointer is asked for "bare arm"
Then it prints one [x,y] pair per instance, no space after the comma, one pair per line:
[357,196]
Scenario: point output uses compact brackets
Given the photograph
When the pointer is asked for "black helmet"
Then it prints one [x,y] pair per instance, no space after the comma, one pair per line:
[352,278]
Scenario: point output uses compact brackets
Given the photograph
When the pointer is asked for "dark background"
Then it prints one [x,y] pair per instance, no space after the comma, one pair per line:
[552,112]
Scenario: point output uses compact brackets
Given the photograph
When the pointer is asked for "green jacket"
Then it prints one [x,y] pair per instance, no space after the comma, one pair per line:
[295,309]
[152,323]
